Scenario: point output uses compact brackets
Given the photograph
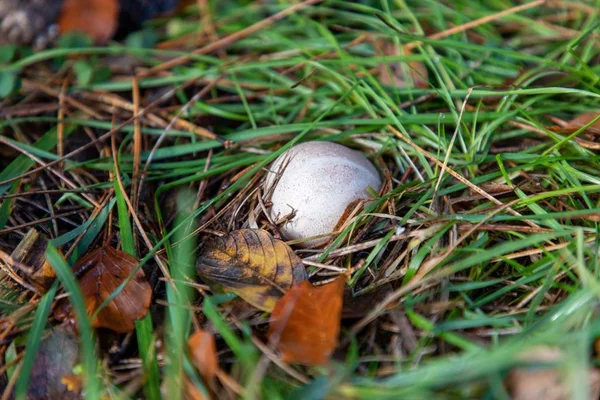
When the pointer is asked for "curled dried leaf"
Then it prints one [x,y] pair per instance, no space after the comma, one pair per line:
[103,270]
[203,351]
[305,323]
[252,264]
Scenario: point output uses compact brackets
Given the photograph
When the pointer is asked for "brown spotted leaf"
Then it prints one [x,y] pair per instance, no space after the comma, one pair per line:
[102,271]
[305,323]
[252,264]
[203,352]
[96,18]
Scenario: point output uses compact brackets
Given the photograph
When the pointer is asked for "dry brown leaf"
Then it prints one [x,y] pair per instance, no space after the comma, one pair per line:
[545,383]
[103,271]
[252,264]
[305,323]
[96,18]
[203,351]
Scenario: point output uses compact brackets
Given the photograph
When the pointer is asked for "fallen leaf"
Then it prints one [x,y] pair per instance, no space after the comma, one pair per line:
[55,359]
[252,264]
[579,122]
[103,271]
[392,73]
[305,323]
[203,351]
[545,382]
[96,18]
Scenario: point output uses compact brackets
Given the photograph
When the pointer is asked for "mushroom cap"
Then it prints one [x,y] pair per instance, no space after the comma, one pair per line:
[318,181]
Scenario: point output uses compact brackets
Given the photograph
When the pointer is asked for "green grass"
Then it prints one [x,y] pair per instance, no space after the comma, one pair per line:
[477,285]
[89,360]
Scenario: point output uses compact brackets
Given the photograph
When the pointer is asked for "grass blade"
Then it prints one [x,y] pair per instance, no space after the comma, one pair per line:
[34,338]
[86,334]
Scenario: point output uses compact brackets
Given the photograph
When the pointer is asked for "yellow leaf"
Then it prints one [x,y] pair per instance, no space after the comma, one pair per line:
[252,264]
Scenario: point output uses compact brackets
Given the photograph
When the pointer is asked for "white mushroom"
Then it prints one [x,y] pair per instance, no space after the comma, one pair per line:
[311,186]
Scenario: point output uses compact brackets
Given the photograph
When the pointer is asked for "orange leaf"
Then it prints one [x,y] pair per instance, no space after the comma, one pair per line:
[103,271]
[203,350]
[305,323]
[97,18]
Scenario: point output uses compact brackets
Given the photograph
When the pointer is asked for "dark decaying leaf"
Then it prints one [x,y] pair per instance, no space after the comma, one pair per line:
[252,264]
[96,18]
[305,323]
[103,270]
[56,357]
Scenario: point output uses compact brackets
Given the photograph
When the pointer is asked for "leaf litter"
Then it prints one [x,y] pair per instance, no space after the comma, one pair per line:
[409,336]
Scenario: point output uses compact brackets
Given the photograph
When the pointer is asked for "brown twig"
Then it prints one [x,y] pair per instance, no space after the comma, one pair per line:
[232,38]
